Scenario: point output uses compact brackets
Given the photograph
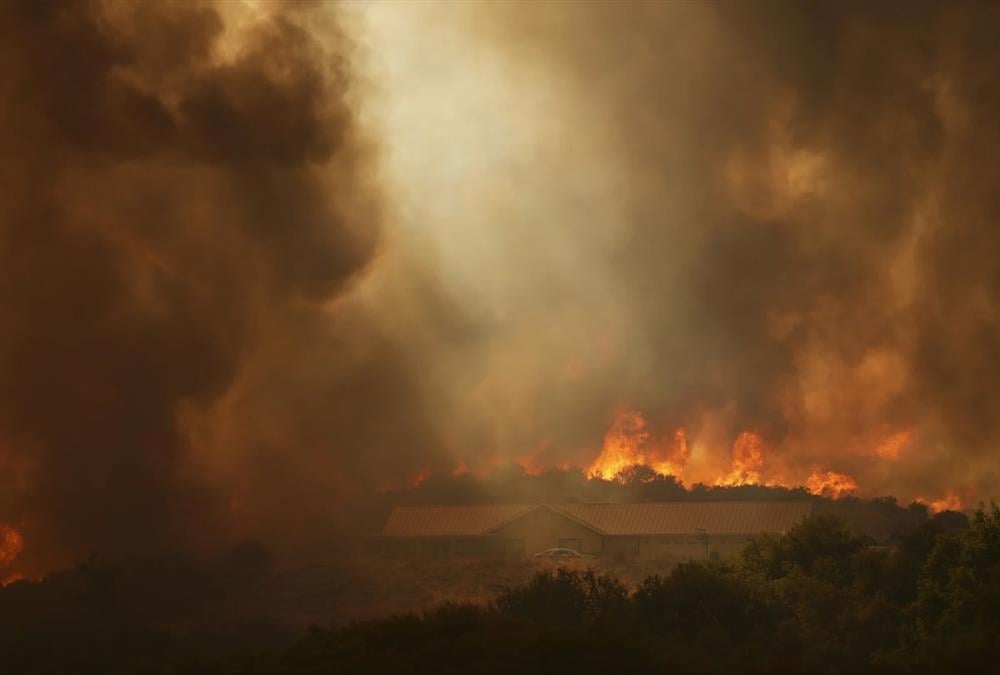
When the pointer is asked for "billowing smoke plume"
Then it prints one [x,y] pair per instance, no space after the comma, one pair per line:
[258,258]
[772,218]
[185,197]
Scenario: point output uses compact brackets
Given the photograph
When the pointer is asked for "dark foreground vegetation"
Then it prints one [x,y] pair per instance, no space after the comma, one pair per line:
[820,599]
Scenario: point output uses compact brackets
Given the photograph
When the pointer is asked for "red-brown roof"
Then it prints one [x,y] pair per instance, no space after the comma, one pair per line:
[651,518]
[689,517]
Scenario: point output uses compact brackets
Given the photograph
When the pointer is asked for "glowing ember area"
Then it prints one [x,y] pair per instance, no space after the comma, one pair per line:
[419,476]
[831,484]
[11,578]
[11,544]
[891,447]
[950,502]
[628,443]
[415,478]
[532,465]
[747,461]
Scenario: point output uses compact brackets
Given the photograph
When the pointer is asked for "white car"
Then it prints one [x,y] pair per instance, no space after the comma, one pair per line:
[561,553]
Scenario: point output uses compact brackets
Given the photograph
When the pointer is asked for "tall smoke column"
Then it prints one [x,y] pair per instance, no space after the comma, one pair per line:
[185,194]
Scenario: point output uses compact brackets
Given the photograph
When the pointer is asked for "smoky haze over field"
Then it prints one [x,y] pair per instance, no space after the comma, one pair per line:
[258,259]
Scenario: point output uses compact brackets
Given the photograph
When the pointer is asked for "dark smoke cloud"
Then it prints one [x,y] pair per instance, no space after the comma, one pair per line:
[181,202]
[793,233]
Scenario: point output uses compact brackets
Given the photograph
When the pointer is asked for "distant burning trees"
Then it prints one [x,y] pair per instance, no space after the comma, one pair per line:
[629,442]
[11,545]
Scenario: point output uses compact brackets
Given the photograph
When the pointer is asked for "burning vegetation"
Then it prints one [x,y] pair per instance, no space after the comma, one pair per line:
[629,443]
[11,543]
[254,271]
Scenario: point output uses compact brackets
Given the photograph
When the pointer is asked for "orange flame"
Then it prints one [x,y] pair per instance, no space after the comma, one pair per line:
[11,578]
[747,468]
[628,443]
[950,502]
[831,484]
[11,544]
[747,461]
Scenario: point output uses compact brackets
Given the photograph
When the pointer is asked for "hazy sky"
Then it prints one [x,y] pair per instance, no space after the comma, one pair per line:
[729,218]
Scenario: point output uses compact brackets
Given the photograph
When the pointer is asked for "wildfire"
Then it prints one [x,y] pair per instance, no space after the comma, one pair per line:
[11,544]
[11,578]
[891,447]
[950,502]
[531,465]
[747,461]
[628,442]
[831,484]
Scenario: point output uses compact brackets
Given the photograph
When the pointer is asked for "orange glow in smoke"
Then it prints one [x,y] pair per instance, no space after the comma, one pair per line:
[531,465]
[891,447]
[418,477]
[11,578]
[11,544]
[413,480]
[950,502]
[628,442]
[831,484]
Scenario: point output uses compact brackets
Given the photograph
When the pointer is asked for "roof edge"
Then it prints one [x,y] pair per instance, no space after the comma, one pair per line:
[554,509]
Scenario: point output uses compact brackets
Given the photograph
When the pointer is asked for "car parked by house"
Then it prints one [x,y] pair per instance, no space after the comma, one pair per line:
[560,553]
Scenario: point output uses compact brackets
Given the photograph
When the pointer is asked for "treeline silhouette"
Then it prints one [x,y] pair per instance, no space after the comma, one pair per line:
[881,518]
[819,599]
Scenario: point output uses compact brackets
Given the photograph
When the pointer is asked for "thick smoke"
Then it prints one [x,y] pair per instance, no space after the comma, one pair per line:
[260,258]
[777,217]
[185,195]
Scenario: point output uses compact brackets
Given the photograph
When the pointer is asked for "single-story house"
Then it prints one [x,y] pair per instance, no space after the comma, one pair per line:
[638,531]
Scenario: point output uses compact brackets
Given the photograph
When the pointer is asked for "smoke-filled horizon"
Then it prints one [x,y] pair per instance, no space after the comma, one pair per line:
[259,258]
[716,219]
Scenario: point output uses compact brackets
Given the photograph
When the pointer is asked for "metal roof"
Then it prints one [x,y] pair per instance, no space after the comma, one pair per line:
[650,518]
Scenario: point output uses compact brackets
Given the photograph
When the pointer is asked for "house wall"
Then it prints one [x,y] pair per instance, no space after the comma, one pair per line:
[673,548]
[543,529]
[439,548]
